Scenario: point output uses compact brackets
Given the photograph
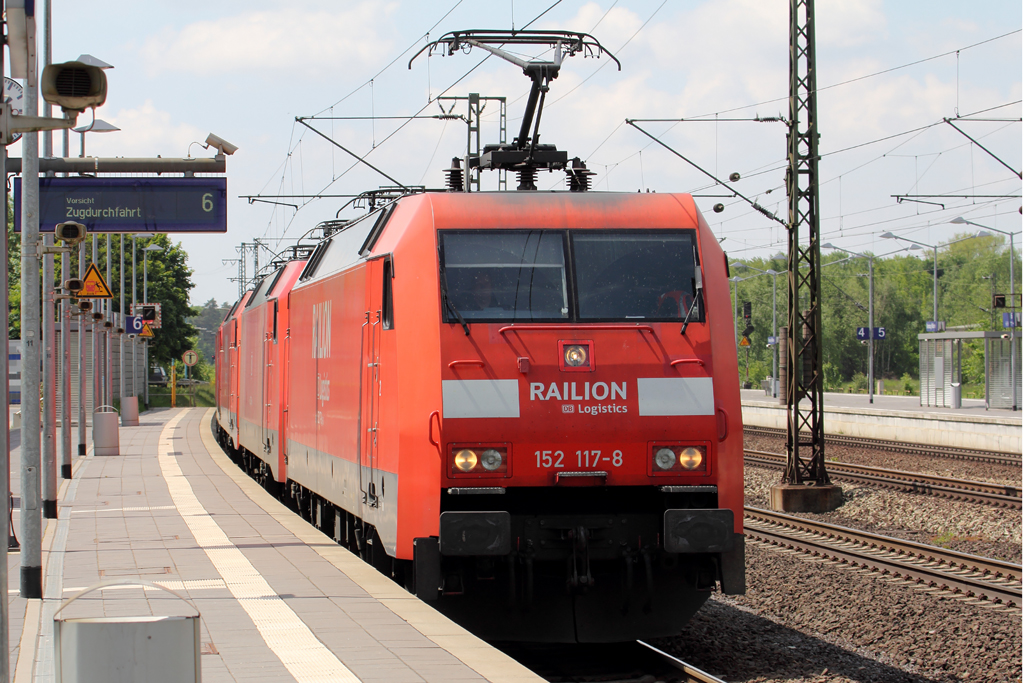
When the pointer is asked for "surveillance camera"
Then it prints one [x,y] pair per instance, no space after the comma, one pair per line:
[74,285]
[70,233]
[222,145]
[864,342]
[73,86]
[85,306]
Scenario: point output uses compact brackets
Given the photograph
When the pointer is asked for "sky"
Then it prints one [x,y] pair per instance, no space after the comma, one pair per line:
[888,73]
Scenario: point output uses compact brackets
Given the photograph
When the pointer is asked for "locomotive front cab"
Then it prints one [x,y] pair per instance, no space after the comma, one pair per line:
[588,468]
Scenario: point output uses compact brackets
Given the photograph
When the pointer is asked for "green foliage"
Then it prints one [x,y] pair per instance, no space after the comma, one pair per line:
[969,273]
[860,382]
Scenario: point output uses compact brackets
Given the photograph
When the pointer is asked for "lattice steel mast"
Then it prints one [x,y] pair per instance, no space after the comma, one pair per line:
[804,391]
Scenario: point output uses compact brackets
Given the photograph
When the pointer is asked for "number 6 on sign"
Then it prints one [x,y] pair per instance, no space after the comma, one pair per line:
[133,324]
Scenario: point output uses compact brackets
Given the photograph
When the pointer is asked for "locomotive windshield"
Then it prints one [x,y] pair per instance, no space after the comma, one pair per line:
[622,275]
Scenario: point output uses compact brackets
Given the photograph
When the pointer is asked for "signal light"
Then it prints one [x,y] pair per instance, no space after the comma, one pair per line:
[998,301]
[480,460]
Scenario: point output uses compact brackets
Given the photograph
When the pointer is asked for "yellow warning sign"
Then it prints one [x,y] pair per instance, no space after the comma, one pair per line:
[94,286]
[745,341]
[147,331]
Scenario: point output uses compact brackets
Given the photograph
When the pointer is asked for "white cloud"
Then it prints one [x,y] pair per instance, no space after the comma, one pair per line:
[145,132]
[284,40]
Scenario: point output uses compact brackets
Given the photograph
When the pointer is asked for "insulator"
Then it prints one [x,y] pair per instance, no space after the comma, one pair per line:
[578,176]
[455,176]
[527,178]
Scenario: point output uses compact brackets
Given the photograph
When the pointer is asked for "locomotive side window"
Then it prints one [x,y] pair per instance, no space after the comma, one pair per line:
[387,305]
[507,275]
[634,275]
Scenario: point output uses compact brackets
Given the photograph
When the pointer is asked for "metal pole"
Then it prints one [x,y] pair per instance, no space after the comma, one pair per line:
[775,347]
[83,397]
[65,374]
[31,520]
[120,337]
[935,289]
[108,347]
[145,343]
[97,366]
[5,434]
[871,329]
[49,470]
[135,341]
[1013,331]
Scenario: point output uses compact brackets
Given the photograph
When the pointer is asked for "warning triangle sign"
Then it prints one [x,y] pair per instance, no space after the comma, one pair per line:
[745,341]
[147,331]
[94,286]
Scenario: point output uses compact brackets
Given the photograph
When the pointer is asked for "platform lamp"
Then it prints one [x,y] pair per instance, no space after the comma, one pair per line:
[960,220]
[97,126]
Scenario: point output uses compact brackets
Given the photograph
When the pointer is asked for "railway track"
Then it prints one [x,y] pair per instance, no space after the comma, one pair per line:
[992,457]
[992,581]
[690,673]
[1000,495]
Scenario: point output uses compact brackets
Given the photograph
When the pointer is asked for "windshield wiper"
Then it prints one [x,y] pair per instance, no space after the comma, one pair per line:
[448,303]
[699,295]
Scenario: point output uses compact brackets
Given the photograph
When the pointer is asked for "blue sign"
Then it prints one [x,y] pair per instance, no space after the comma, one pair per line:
[133,324]
[934,325]
[130,204]
[772,341]
[1011,319]
[862,333]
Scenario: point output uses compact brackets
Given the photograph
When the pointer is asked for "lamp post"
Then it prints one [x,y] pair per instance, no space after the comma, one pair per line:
[97,126]
[1013,329]
[871,315]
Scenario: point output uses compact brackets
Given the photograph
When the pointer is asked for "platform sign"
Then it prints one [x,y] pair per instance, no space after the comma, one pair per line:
[150,313]
[935,326]
[93,285]
[133,324]
[130,204]
[147,331]
[879,333]
[772,341]
[190,358]
[1011,319]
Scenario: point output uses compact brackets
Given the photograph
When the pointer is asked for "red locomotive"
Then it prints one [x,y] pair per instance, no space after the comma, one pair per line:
[523,406]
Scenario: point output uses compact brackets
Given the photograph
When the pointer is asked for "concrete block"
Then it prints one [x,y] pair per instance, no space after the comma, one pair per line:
[801,498]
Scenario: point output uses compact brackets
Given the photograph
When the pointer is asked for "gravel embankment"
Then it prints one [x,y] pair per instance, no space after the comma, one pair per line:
[815,622]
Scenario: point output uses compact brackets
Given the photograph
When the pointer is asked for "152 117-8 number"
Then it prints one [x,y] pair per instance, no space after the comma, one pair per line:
[588,458]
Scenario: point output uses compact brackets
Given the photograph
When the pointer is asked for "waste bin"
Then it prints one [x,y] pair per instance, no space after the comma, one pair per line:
[105,439]
[956,400]
[155,649]
[129,411]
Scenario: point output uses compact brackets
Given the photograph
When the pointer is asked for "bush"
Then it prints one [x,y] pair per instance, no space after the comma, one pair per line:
[860,382]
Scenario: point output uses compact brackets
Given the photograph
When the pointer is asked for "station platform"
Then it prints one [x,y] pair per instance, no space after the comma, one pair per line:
[899,418]
[278,600]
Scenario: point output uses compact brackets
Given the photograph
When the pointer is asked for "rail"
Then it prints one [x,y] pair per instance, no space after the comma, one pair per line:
[974,455]
[987,493]
[691,673]
[982,578]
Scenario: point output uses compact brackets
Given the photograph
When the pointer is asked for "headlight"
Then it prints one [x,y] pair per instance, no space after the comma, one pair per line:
[481,460]
[575,355]
[465,460]
[677,458]
[491,459]
[690,458]
[665,458]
